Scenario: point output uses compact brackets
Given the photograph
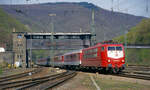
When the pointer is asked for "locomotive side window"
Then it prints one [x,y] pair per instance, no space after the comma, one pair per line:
[111,48]
[91,53]
[102,48]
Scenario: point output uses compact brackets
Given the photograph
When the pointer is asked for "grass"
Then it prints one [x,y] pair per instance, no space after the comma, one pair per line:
[109,84]
[1,71]
[87,82]
[138,56]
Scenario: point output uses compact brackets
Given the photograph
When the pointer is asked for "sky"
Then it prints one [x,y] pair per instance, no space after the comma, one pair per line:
[134,7]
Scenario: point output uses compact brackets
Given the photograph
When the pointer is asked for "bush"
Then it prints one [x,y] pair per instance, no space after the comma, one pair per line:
[1,71]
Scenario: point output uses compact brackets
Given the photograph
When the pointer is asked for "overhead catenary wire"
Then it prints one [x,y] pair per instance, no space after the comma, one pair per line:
[147,8]
[131,8]
[112,5]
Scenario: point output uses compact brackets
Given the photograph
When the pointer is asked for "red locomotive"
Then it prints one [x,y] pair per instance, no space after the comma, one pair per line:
[109,57]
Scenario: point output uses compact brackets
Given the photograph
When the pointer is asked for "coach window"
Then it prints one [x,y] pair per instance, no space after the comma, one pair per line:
[95,50]
[102,48]
[84,56]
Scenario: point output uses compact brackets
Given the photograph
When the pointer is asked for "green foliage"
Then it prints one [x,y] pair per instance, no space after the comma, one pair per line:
[1,70]
[2,66]
[138,56]
[41,53]
[7,23]
[139,34]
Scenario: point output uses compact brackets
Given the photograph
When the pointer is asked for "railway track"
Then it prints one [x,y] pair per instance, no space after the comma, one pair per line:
[136,71]
[20,75]
[44,82]
[138,68]
[137,75]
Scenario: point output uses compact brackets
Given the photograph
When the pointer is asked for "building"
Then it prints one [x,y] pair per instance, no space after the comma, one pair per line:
[2,49]
[19,49]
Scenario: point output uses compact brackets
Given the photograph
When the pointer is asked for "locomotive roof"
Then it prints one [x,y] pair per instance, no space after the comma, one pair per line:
[105,44]
[75,51]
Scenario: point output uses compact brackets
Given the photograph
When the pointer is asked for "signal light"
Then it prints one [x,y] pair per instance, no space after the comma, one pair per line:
[108,60]
[122,60]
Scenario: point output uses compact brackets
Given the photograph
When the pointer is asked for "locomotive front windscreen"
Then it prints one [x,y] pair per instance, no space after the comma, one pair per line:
[118,48]
[115,52]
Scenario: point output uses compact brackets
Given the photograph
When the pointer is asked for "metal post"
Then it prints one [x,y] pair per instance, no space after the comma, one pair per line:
[147,6]
[125,41]
[52,43]
[11,3]
[112,5]
[52,40]
[27,58]
[31,52]
[93,28]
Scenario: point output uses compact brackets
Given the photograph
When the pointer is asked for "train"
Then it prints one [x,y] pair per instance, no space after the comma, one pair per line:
[43,61]
[101,57]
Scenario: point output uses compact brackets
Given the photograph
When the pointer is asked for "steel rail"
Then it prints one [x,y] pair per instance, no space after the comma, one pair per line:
[16,76]
[22,84]
[59,81]
[53,81]
[137,76]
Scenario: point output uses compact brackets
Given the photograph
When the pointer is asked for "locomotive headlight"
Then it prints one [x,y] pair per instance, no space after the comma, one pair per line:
[108,60]
[122,60]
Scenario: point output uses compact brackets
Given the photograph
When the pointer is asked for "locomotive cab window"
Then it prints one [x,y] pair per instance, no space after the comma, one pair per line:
[119,48]
[111,48]
[102,48]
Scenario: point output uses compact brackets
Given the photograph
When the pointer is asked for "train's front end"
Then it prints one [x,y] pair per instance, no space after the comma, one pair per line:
[115,57]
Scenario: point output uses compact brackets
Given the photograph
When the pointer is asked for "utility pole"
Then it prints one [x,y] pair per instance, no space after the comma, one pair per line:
[31,52]
[52,43]
[112,9]
[52,40]
[93,28]
[125,41]
[147,6]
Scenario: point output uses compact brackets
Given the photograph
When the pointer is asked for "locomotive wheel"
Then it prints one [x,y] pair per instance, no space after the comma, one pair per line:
[115,70]
[103,71]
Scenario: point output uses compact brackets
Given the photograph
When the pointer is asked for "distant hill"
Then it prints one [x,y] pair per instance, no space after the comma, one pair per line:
[7,23]
[140,34]
[70,17]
